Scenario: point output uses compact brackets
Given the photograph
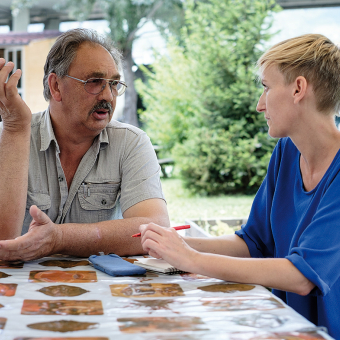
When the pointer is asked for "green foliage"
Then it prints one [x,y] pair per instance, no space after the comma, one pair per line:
[201,98]
[171,98]
[125,17]
[215,161]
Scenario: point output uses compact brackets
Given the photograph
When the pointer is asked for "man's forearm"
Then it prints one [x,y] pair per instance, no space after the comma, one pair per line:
[108,236]
[14,163]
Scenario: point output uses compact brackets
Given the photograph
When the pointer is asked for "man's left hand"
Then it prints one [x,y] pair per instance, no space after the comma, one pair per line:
[41,239]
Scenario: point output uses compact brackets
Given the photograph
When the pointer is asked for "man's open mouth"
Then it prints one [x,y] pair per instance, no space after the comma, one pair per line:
[103,108]
[101,111]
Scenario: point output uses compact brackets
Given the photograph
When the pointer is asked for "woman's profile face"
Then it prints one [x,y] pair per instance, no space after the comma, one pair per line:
[276,102]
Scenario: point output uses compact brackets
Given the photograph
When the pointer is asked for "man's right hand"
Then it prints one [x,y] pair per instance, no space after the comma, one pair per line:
[42,239]
[14,112]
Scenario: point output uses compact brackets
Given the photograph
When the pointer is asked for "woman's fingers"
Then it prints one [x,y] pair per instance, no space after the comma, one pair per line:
[164,243]
[152,238]
[144,228]
[153,248]
[154,254]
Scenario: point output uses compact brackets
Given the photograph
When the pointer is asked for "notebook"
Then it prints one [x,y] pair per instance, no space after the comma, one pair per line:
[157,265]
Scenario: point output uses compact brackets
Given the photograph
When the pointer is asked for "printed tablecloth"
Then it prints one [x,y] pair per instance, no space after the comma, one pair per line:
[66,298]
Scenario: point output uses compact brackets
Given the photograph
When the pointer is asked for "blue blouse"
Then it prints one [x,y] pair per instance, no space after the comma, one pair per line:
[302,226]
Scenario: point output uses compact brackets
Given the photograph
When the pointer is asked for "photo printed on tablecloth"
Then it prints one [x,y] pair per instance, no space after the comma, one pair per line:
[69,276]
[62,307]
[62,290]
[146,290]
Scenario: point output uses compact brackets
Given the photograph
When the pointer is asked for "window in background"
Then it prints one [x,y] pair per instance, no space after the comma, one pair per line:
[15,54]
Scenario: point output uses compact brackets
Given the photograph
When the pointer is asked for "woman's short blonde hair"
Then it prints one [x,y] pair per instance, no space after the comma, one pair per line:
[314,57]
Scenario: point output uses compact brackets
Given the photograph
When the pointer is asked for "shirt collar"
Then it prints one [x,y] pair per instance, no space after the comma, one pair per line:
[103,139]
[47,134]
[46,131]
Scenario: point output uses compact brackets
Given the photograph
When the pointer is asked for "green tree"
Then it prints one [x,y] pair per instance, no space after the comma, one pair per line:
[125,18]
[219,141]
[171,97]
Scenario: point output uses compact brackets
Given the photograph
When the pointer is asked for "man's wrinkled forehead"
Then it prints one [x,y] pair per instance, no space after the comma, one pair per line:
[96,70]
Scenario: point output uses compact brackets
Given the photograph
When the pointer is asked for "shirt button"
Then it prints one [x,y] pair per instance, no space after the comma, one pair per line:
[60,179]
[104,202]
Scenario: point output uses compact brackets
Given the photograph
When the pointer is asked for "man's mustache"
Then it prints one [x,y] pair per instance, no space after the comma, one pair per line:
[104,106]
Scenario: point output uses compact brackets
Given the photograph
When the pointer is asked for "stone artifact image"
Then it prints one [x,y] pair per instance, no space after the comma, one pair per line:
[227,288]
[12,264]
[63,326]
[62,307]
[146,290]
[62,290]
[4,275]
[69,276]
[64,263]
[151,305]
[241,303]
[260,320]
[8,289]
[2,323]
[161,324]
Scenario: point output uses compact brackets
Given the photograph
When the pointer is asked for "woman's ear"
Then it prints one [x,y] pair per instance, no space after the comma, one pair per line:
[54,87]
[300,89]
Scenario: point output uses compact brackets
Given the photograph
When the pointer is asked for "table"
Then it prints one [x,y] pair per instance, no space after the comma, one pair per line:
[66,298]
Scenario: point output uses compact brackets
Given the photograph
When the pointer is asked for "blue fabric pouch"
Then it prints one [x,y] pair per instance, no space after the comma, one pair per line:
[114,265]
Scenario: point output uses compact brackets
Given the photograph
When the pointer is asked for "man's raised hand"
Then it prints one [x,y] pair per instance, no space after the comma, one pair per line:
[14,112]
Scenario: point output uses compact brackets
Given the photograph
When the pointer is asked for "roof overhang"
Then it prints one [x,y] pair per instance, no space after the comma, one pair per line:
[24,38]
[43,10]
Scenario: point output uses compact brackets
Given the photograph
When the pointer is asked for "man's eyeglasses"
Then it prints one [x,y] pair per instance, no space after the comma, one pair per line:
[97,85]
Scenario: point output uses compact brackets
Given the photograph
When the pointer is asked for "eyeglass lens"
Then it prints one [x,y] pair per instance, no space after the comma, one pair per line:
[97,85]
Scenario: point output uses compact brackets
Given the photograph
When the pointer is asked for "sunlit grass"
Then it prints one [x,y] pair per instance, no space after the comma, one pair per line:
[183,205]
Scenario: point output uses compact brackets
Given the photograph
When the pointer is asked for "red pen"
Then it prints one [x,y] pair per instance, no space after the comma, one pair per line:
[180,227]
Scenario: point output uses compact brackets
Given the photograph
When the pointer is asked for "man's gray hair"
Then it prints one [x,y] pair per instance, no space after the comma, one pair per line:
[65,49]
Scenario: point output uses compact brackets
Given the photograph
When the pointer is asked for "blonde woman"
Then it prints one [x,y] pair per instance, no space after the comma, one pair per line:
[291,241]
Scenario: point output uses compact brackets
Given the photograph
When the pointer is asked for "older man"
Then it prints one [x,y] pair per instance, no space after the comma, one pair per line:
[71,180]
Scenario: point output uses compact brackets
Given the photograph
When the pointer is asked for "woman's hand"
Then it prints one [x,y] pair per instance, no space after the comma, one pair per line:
[166,243]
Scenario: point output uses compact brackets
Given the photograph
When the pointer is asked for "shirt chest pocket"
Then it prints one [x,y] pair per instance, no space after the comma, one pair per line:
[98,196]
[42,201]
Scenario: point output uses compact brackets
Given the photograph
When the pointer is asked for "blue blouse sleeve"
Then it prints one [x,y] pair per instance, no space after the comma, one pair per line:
[257,231]
[314,246]
[317,252]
